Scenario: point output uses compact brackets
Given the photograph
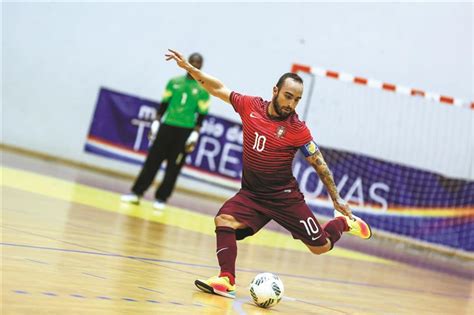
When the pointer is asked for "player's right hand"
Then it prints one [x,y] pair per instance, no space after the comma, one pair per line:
[155,125]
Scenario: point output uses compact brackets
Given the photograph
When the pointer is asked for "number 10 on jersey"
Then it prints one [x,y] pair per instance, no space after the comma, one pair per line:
[259,143]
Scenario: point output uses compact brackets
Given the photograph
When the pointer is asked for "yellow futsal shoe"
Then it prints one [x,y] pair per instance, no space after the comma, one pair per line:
[217,285]
[357,226]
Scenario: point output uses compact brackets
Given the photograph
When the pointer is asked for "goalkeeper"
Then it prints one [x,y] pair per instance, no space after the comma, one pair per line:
[173,134]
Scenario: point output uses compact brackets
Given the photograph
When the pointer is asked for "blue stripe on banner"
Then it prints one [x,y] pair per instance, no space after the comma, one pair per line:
[210,182]
[102,152]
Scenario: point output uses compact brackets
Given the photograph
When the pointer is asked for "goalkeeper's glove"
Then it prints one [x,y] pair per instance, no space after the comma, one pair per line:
[155,125]
[190,144]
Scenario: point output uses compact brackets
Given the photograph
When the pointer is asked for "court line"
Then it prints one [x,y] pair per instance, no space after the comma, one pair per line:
[131,300]
[52,238]
[151,290]
[97,249]
[108,233]
[90,274]
[186,219]
[49,293]
[37,261]
[101,297]
[167,267]
[307,278]
[175,262]
[106,298]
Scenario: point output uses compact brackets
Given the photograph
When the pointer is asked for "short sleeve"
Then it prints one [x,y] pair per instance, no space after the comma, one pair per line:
[240,102]
[303,136]
[168,93]
[203,103]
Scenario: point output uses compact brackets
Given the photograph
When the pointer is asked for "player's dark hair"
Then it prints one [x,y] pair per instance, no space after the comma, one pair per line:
[196,55]
[287,75]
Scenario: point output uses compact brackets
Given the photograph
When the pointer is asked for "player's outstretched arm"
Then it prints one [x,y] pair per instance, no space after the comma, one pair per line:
[319,164]
[209,83]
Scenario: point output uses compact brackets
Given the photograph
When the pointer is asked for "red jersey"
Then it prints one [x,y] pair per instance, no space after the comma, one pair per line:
[269,146]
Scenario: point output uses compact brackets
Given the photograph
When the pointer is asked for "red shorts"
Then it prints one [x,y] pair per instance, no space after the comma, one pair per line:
[288,209]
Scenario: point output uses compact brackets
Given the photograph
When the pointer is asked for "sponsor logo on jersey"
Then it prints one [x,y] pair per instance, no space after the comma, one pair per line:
[280,132]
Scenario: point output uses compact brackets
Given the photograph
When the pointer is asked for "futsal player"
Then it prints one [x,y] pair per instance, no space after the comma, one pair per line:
[273,134]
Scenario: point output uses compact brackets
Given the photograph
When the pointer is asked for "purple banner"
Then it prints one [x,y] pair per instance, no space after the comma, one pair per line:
[120,127]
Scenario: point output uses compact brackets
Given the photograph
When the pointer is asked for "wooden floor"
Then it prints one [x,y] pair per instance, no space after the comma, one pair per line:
[69,247]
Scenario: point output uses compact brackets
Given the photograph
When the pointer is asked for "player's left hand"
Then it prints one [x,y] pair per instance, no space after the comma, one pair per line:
[179,58]
[190,144]
[343,207]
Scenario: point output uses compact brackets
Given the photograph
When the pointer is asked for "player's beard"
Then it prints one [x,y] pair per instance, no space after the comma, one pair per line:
[279,110]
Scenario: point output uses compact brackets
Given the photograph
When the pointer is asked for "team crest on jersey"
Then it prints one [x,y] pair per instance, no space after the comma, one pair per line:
[280,132]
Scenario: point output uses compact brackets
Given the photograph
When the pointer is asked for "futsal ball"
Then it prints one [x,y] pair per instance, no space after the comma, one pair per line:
[266,289]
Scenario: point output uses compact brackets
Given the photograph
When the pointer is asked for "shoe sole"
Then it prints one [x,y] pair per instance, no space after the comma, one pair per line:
[208,289]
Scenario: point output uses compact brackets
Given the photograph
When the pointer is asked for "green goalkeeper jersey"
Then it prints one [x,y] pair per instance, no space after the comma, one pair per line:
[185,98]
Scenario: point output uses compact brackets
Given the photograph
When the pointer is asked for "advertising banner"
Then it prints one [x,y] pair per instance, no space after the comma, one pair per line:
[394,198]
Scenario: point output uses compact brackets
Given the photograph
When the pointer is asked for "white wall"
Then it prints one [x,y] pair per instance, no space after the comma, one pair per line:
[57,55]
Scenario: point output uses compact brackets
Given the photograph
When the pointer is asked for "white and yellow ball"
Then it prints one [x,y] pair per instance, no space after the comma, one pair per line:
[266,289]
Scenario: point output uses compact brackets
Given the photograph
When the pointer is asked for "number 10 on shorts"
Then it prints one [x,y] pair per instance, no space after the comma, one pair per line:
[311,227]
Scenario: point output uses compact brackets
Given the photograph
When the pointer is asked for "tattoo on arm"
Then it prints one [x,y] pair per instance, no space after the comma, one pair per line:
[324,173]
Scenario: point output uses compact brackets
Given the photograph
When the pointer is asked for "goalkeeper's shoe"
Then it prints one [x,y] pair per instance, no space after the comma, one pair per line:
[130,198]
[357,226]
[217,285]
